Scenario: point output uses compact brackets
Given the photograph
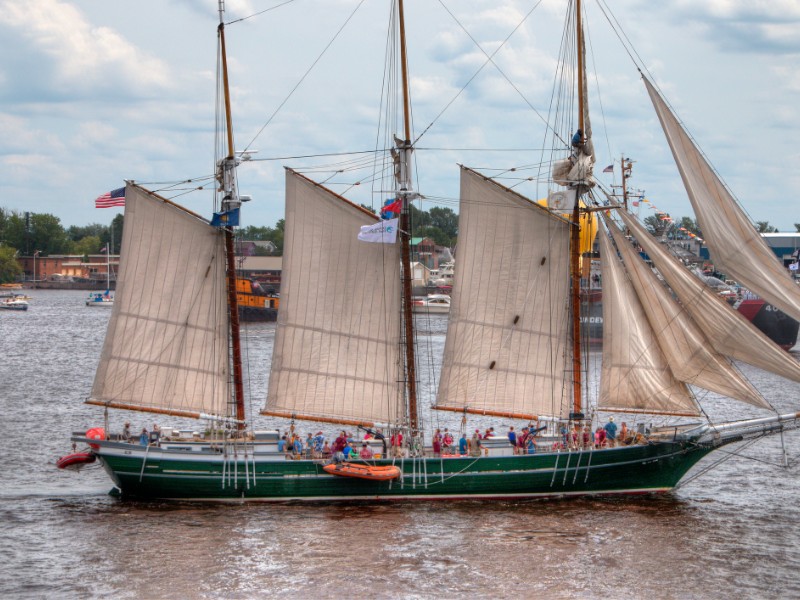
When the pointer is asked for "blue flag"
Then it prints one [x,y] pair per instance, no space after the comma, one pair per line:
[227,218]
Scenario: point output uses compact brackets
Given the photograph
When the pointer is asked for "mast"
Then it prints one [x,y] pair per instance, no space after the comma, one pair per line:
[231,202]
[406,194]
[575,246]
[625,168]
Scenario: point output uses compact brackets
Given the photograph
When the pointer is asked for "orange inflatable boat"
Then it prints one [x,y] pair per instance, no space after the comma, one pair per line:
[362,471]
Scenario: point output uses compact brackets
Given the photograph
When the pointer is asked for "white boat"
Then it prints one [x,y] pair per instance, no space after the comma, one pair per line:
[432,304]
[14,304]
[103,299]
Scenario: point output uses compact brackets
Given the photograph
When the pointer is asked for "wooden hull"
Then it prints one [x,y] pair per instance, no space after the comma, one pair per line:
[167,474]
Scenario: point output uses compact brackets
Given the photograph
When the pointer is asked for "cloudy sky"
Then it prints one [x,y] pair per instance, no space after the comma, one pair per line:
[95,92]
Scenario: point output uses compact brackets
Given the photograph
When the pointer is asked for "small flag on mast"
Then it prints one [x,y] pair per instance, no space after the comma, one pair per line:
[609,169]
[226,218]
[382,232]
[112,198]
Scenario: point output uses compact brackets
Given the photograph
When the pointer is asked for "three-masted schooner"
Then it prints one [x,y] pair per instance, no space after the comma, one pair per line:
[513,343]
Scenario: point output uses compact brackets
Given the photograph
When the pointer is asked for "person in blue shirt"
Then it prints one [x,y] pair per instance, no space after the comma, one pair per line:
[462,444]
[144,439]
[512,436]
[347,450]
[530,445]
[611,432]
[577,139]
[282,444]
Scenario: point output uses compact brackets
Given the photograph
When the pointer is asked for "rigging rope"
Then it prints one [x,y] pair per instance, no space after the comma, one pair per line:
[308,71]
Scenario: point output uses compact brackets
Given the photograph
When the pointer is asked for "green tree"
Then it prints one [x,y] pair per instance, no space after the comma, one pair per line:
[765,227]
[9,267]
[444,219]
[47,235]
[90,244]
[115,233]
[4,214]
[690,225]
[76,233]
[434,233]
[419,218]
[14,232]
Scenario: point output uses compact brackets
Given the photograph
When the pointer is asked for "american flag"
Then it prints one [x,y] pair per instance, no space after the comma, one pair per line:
[112,198]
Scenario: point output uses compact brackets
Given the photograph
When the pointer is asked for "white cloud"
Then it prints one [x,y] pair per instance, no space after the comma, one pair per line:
[82,58]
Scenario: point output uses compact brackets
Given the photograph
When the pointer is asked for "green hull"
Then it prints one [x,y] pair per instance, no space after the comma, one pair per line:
[655,467]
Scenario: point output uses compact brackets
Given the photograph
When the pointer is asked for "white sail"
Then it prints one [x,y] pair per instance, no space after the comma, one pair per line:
[726,328]
[690,355]
[507,330]
[336,355]
[635,374]
[737,249]
[166,348]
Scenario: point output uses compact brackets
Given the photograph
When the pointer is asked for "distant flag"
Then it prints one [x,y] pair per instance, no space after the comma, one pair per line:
[636,203]
[382,232]
[112,198]
[391,208]
[226,218]
[104,249]
[609,169]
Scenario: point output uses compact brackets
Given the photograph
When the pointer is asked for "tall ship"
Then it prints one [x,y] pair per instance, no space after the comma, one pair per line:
[344,349]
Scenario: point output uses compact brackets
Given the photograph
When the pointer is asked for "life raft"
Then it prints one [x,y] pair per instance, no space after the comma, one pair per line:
[75,460]
[362,471]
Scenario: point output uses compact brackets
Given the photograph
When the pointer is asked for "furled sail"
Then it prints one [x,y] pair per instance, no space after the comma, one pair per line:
[737,249]
[635,375]
[507,330]
[166,348]
[578,168]
[691,357]
[336,355]
[726,328]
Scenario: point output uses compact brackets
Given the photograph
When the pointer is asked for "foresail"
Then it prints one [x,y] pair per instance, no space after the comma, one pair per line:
[690,355]
[507,329]
[726,328]
[635,375]
[336,354]
[737,249]
[166,348]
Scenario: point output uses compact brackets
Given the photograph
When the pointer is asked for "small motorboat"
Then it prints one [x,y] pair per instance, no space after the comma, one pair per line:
[432,303]
[76,460]
[362,471]
[101,299]
[14,304]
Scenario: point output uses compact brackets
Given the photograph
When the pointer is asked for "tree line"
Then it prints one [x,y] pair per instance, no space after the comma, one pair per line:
[24,233]
[681,227]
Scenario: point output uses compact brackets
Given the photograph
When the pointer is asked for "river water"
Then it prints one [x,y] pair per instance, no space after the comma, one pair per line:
[730,532]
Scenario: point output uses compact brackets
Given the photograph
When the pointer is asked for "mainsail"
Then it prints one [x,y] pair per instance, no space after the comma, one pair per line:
[507,330]
[337,347]
[691,358]
[166,348]
[736,247]
[727,329]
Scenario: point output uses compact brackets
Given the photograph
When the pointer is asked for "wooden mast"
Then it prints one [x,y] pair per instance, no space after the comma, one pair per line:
[575,244]
[230,201]
[405,232]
